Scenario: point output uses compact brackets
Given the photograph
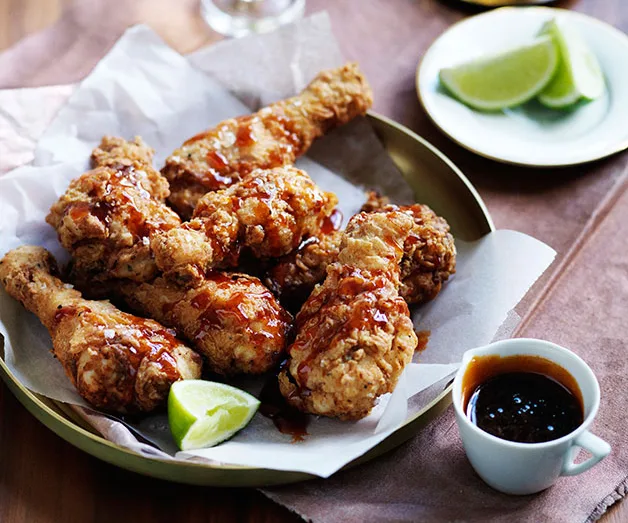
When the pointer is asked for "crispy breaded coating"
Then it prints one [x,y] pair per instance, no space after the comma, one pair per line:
[232,319]
[115,152]
[267,214]
[375,202]
[293,277]
[117,362]
[108,214]
[428,261]
[429,256]
[274,136]
[354,335]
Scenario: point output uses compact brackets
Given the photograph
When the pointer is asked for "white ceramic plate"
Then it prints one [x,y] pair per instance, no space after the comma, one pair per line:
[530,134]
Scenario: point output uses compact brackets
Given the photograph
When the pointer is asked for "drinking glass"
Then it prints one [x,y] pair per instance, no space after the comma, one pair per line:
[240,17]
[503,3]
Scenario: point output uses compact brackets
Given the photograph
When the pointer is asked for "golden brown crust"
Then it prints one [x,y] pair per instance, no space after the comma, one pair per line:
[429,258]
[267,214]
[429,255]
[117,362]
[274,136]
[107,215]
[232,319]
[354,335]
[118,152]
[375,202]
[293,277]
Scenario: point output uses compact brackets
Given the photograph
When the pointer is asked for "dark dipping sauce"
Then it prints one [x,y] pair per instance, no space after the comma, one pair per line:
[527,399]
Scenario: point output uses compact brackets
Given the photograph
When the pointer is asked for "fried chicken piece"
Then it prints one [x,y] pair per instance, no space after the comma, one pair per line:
[429,258]
[354,335]
[116,361]
[375,202]
[232,319]
[268,214]
[115,152]
[274,136]
[294,276]
[107,215]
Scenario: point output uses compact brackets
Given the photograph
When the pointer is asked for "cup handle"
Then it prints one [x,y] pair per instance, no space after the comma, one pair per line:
[598,448]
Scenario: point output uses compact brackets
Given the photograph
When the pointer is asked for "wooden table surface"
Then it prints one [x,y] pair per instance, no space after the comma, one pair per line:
[43,478]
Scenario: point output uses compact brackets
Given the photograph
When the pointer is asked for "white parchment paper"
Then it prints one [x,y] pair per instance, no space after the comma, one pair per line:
[143,87]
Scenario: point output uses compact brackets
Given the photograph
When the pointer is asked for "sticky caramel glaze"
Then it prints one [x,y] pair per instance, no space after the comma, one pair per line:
[122,188]
[523,398]
[105,219]
[525,407]
[117,361]
[332,222]
[267,215]
[274,136]
[293,276]
[154,342]
[482,368]
[284,202]
[224,157]
[428,261]
[354,335]
[369,311]
[231,319]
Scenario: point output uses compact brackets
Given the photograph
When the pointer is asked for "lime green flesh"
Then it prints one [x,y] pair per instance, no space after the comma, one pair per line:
[578,75]
[203,413]
[505,80]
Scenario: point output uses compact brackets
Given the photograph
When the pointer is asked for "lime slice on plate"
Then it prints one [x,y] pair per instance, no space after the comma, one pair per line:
[203,413]
[504,80]
[578,74]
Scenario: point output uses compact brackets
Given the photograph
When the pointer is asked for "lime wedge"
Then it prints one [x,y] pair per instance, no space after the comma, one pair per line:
[203,413]
[504,80]
[578,74]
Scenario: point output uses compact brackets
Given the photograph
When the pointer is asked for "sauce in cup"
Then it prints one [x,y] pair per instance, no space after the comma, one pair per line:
[528,399]
[526,447]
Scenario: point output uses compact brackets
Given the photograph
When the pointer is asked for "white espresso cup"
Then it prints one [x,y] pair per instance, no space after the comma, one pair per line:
[526,468]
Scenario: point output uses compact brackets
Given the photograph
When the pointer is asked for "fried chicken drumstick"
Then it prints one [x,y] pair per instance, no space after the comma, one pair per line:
[354,335]
[268,213]
[108,214]
[274,136]
[232,319]
[117,362]
[429,258]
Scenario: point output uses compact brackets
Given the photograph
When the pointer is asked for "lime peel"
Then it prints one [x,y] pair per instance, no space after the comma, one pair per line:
[506,79]
[202,413]
[578,76]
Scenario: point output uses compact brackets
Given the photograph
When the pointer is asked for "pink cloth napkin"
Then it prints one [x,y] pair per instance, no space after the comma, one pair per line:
[582,212]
